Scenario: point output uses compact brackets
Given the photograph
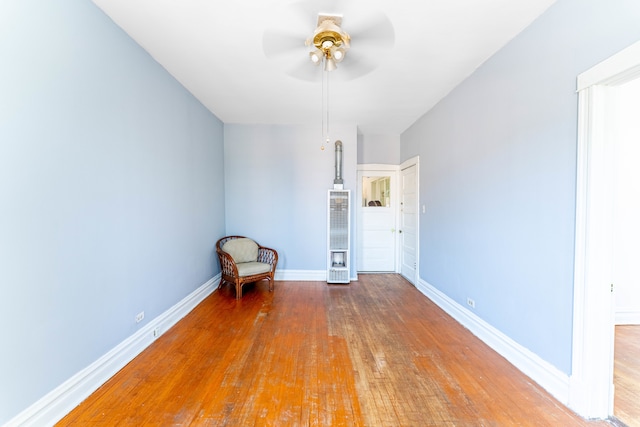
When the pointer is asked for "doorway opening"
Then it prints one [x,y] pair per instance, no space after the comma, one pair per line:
[591,385]
[387,226]
[377,210]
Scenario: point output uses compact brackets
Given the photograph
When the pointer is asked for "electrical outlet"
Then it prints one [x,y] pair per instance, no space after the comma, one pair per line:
[471,303]
[139,317]
[156,332]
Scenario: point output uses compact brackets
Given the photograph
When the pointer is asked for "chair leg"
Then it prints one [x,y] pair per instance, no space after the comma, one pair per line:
[238,290]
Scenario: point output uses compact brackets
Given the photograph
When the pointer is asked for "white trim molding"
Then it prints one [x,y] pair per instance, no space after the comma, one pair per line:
[546,375]
[60,401]
[627,317]
[301,275]
[592,356]
[304,276]
[617,69]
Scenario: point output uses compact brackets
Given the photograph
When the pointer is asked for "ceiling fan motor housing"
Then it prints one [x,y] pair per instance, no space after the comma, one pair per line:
[328,36]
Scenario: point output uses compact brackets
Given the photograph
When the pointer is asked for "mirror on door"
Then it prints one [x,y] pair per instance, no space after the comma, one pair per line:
[376,191]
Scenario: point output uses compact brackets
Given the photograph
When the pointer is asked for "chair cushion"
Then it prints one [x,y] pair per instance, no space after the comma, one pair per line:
[241,250]
[251,268]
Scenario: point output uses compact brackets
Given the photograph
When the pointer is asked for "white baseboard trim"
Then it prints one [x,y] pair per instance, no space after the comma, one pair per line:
[305,276]
[627,317]
[60,401]
[301,275]
[546,375]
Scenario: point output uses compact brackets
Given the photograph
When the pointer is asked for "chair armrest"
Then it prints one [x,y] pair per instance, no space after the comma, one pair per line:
[268,256]
[227,264]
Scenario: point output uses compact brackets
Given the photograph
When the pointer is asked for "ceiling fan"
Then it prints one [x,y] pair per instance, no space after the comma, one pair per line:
[329,42]
[359,45]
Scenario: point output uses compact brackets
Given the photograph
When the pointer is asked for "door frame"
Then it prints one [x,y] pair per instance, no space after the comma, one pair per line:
[591,381]
[374,168]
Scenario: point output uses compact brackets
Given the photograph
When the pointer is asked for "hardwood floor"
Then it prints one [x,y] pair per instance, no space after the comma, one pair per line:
[375,352]
[626,375]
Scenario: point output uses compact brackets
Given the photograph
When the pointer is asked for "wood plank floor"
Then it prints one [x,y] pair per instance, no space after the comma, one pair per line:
[626,375]
[375,352]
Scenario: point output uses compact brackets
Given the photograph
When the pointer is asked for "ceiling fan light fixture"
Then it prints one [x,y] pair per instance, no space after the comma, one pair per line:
[316,56]
[327,44]
[329,64]
[329,41]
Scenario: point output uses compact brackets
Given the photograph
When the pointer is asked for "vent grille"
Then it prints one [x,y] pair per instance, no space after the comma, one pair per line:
[338,220]
[338,276]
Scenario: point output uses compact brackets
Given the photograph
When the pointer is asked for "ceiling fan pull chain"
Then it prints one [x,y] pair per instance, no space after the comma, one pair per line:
[323,133]
[326,74]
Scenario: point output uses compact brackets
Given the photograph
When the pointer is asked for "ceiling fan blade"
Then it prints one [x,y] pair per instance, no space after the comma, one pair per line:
[355,64]
[374,31]
[277,43]
[305,70]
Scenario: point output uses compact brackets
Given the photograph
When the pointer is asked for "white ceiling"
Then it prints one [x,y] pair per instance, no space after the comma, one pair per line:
[215,49]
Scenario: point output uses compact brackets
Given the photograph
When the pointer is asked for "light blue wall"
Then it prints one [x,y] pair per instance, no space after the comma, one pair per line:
[378,149]
[276,183]
[111,194]
[498,175]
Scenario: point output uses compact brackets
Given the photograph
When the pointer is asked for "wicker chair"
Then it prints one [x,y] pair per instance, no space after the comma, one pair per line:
[242,261]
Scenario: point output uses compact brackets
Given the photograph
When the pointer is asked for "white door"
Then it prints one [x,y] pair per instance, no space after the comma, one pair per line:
[408,223]
[377,220]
